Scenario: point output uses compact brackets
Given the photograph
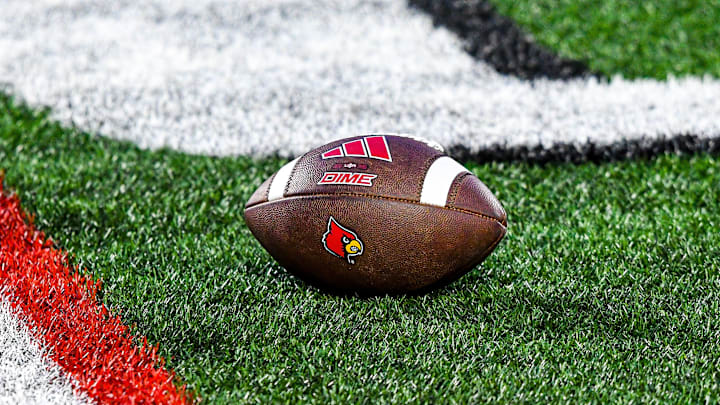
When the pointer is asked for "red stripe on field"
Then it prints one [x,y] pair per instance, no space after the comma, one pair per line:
[85,339]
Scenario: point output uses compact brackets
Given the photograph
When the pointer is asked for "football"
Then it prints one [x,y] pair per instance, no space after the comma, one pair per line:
[376,214]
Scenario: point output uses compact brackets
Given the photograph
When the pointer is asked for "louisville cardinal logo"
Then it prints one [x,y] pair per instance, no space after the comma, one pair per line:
[342,242]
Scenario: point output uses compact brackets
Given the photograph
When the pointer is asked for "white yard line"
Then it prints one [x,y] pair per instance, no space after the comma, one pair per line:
[263,77]
[26,375]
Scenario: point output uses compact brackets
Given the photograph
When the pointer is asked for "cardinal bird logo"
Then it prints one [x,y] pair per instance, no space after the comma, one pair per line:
[341,241]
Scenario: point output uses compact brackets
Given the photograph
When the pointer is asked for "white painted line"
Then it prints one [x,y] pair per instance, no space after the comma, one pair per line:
[265,77]
[27,376]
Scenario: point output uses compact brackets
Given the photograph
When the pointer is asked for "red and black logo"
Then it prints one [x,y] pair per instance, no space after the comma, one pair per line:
[341,241]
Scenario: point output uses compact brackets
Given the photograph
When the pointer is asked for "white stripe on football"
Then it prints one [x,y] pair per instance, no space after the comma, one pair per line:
[280,181]
[438,180]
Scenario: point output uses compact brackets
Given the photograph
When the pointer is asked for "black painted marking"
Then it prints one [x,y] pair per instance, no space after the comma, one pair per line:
[498,41]
[578,153]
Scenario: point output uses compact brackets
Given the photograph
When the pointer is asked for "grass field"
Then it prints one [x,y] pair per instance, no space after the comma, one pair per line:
[632,38]
[606,287]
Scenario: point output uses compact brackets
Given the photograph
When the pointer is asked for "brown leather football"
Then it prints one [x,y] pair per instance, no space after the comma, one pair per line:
[376,214]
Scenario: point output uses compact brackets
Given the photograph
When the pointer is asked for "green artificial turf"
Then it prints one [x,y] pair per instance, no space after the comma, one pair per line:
[606,288]
[632,38]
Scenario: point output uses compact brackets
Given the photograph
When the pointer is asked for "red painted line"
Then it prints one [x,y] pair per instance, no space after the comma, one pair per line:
[88,342]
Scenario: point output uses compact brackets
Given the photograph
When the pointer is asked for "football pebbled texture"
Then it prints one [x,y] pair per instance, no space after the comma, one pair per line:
[376,214]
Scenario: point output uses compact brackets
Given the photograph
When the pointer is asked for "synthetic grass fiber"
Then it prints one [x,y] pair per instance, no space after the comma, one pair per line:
[606,287]
[632,38]
[91,345]
[26,373]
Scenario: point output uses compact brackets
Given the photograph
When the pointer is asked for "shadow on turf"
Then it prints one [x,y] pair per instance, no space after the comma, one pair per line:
[446,286]
[579,153]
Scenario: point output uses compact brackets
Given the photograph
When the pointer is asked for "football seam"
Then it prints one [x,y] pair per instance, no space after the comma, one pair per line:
[456,189]
[484,254]
[489,250]
[266,197]
[380,197]
[292,173]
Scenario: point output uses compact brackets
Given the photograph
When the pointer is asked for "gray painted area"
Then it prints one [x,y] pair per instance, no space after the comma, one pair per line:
[280,77]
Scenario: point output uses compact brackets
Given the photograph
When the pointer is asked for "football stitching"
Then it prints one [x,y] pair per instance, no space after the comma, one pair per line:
[485,254]
[292,173]
[380,197]
[455,190]
[266,195]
